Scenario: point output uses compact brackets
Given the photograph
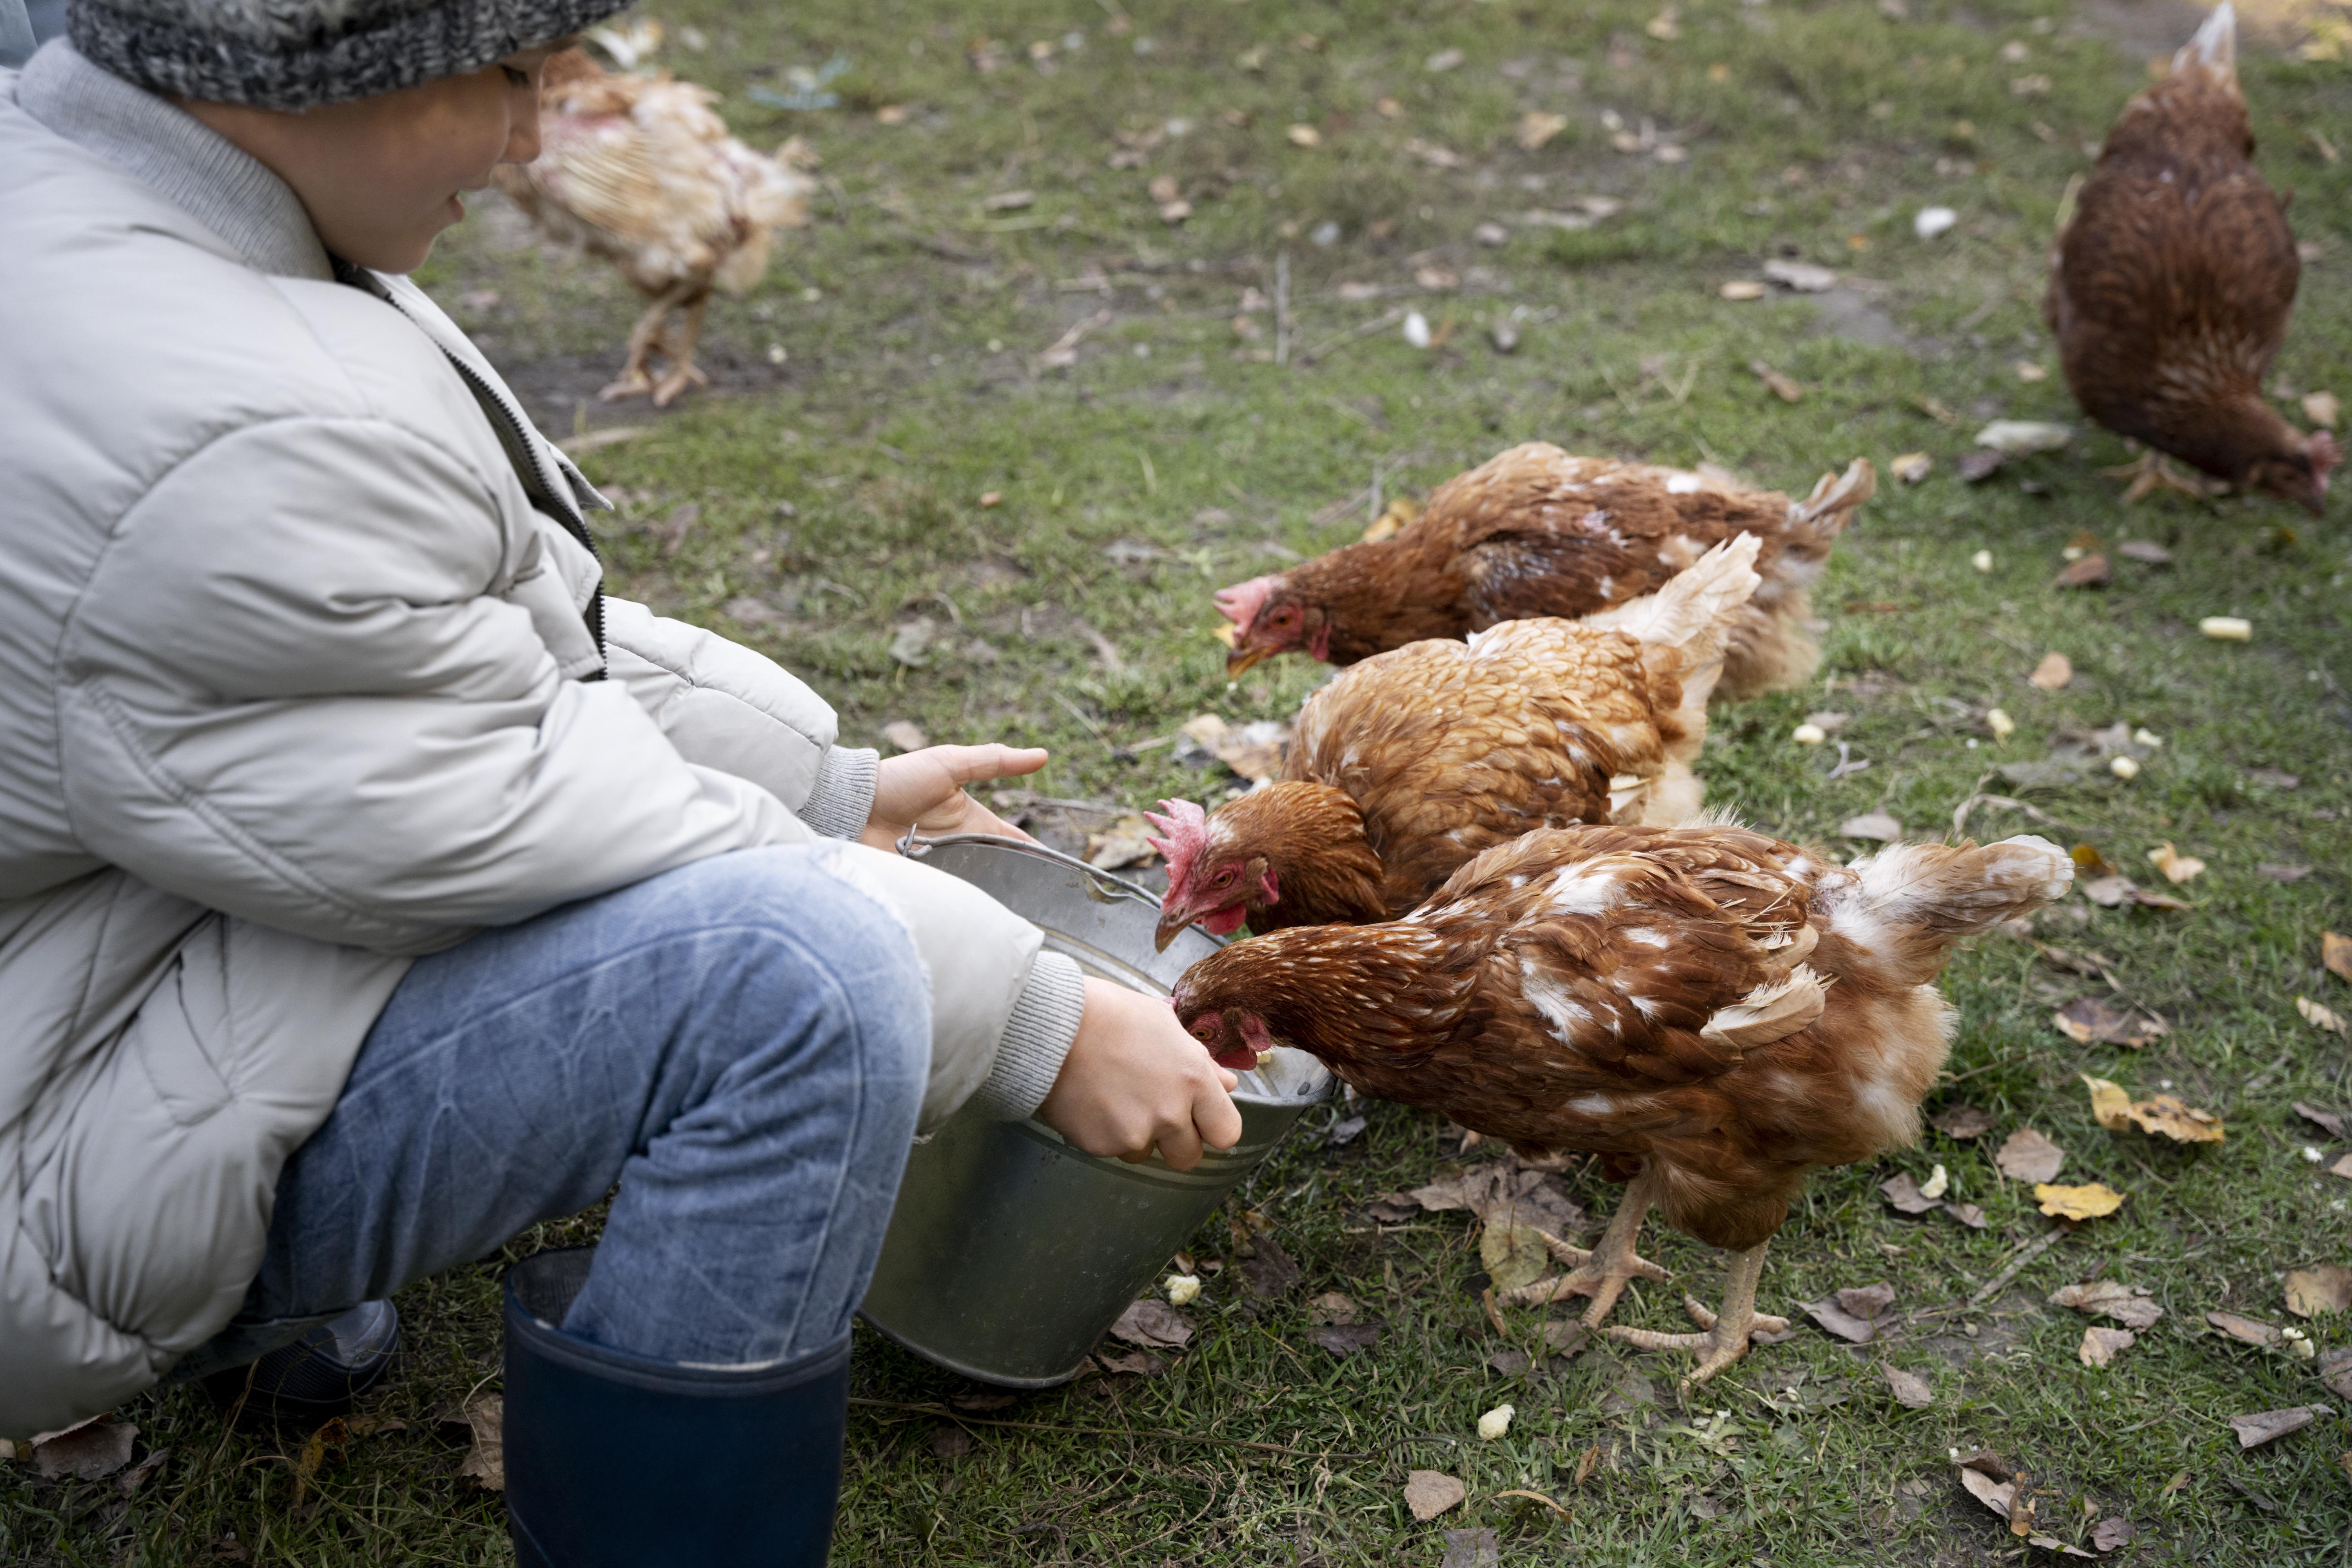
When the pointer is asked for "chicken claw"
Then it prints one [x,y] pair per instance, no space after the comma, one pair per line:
[2152,473]
[1724,1338]
[1603,1272]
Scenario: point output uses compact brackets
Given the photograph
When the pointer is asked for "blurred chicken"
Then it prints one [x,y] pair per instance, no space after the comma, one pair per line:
[637,170]
[1407,765]
[2172,283]
[1710,1010]
[1536,532]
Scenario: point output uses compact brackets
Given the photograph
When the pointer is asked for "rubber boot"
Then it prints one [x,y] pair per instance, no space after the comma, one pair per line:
[299,1387]
[616,1461]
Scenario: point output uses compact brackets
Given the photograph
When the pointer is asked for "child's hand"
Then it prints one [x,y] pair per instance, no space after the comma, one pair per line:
[925,789]
[1134,1078]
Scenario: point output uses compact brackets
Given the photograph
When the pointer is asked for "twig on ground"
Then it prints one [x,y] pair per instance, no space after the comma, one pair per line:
[2032,1250]
[1386,319]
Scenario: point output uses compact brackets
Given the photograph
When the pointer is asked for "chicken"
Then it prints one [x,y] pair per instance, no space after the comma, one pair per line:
[1710,1010]
[1407,765]
[1536,532]
[2171,284]
[636,169]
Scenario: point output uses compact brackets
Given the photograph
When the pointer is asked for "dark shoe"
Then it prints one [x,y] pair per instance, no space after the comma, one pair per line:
[614,1459]
[304,1385]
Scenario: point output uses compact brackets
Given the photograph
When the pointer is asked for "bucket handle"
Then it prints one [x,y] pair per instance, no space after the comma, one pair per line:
[915,846]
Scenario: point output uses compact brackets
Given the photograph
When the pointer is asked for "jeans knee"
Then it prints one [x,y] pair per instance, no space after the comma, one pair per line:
[805,927]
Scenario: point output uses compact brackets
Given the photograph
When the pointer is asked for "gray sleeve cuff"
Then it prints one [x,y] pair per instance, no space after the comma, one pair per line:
[1037,1038]
[843,800]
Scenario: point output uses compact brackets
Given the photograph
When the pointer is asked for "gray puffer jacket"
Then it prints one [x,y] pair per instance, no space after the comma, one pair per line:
[298,679]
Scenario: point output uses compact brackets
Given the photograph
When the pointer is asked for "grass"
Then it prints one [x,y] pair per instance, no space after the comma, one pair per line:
[839,498]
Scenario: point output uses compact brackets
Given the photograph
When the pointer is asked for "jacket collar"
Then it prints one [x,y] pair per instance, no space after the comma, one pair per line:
[199,170]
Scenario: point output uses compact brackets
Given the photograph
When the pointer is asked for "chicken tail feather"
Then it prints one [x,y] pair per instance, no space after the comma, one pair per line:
[2215,44]
[1908,904]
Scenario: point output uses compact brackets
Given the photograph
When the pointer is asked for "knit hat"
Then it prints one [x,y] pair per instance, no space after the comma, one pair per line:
[299,54]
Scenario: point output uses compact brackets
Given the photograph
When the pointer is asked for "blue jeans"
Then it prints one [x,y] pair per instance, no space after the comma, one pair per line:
[741,1044]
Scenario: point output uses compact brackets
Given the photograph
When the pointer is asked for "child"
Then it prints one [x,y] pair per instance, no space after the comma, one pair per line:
[371,885]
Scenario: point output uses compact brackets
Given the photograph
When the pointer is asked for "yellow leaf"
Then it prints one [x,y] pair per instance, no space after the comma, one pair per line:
[2168,1116]
[2320,1017]
[2110,1106]
[2336,951]
[2176,867]
[2078,1202]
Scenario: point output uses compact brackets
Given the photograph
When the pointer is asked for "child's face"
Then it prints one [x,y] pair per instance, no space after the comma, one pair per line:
[382,177]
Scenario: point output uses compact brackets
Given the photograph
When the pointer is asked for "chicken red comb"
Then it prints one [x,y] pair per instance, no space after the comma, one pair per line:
[1240,603]
[1187,827]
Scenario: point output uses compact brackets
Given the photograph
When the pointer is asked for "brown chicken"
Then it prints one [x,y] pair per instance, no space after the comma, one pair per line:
[1710,1010]
[1536,531]
[1406,766]
[636,169]
[2171,284]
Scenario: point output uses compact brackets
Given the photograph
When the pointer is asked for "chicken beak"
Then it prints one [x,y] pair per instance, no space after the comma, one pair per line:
[1171,927]
[1241,658]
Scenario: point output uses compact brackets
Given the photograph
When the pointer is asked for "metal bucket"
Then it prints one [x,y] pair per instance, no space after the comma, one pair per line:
[1010,1251]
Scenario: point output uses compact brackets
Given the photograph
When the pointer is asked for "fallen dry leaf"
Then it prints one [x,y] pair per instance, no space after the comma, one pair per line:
[2335,1371]
[1304,136]
[2321,1019]
[2126,1304]
[1910,1390]
[1780,385]
[2329,1121]
[1565,1335]
[1743,288]
[2110,892]
[2110,1106]
[1851,1314]
[129,1482]
[2028,1156]
[2176,868]
[2311,1292]
[1903,1192]
[1125,842]
[2050,1543]
[331,1435]
[1515,1254]
[951,1442]
[486,1461]
[2336,951]
[1969,1214]
[2265,1426]
[1964,1122]
[1268,1270]
[1344,1340]
[2053,672]
[1995,1495]
[1474,1548]
[1140,1363]
[2110,1533]
[1153,1325]
[2342,1167]
[2251,1330]
[2090,1022]
[1331,1307]
[2091,572]
[1803,276]
[1537,127]
[1911,468]
[90,1452]
[1867,1300]
[2087,1202]
[2144,551]
[2101,1346]
[2168,1116]
[1430,1492]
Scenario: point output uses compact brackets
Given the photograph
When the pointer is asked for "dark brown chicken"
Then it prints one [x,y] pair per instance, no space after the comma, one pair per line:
[2172,283]
[1407,765]
[1712,1011]
[1536,532]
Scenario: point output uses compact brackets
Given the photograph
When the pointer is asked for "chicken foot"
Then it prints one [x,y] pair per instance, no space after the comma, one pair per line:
[683,371]
[648,334]
[1724,1337]
[1603,1272]
[2154,471]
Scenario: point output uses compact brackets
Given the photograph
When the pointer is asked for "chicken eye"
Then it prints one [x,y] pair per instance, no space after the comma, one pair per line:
[1222,878]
